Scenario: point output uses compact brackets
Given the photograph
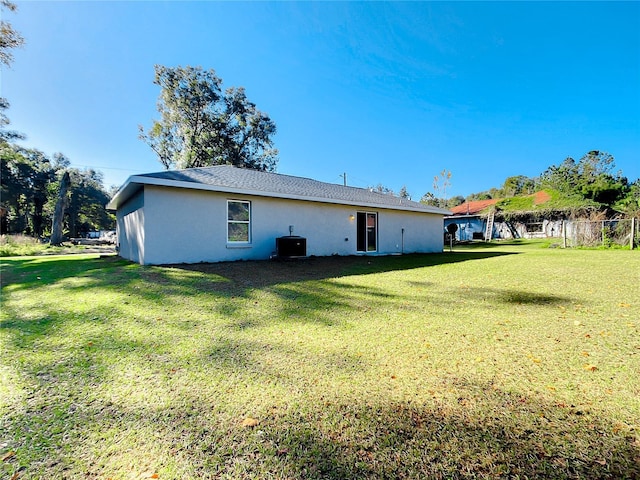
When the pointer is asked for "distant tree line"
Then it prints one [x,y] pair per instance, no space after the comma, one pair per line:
[30,180]
[29,192]
[592,178]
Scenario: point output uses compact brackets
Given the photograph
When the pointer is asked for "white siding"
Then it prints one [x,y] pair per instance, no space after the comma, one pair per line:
[189,226]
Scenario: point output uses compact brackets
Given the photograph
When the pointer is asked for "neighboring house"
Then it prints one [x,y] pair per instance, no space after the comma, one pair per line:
[225,213]
[472,217]
[468,217]
[538,215]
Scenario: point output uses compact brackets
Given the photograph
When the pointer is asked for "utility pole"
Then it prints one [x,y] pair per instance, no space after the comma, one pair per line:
[344,178]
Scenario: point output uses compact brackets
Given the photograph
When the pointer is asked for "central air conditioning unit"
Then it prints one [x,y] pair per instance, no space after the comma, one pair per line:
[291,247]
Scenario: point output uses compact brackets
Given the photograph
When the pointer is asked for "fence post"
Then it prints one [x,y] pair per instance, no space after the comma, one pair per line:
[564,234]
[633,232]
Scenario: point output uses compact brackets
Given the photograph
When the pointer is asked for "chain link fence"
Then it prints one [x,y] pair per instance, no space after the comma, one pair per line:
[607,233]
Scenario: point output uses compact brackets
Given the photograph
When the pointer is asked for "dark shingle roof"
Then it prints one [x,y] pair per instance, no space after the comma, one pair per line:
[254,182]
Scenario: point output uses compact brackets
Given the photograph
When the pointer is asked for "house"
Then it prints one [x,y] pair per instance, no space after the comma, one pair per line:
[226,213]
[468,217]
[544,214]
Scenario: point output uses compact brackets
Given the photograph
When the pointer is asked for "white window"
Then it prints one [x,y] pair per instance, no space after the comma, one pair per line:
[238,221]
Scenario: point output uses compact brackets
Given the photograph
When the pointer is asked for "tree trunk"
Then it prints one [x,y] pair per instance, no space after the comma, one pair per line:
[37,217]
[58,214]
[72,217]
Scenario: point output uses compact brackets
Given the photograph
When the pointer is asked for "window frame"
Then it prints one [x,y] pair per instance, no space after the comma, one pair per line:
[239,222]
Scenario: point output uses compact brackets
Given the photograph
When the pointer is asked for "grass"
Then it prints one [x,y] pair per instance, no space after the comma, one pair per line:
[17,245]
[557,202]
[513,361]
[24,245]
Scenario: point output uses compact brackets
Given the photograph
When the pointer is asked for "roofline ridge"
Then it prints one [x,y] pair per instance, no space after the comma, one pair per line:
[386,200]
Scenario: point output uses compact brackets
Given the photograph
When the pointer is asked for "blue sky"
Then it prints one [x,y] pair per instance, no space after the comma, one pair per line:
[389,93]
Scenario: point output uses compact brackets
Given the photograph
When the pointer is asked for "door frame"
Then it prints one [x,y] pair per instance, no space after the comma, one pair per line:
[363,244]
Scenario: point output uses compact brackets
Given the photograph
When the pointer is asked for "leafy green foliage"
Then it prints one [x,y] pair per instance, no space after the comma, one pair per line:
[201,126]
[552,201]
[24,245]
[26,174]
[591,177]
[86,211]
[516,203]
[455,201]
[6,135]
[16,245]
[630,204]
[30,184]
[518,185]
[586,184]
[9,37]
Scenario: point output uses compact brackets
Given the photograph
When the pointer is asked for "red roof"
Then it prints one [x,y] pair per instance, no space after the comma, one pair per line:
[541,197]
[473,208]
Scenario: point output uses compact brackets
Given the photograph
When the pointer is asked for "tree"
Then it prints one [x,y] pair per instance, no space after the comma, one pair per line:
[518,185]
[630,204]
[590,178]
[9,38]
[563,177]
[478,196]
[380,188]
[598,183]
[595,163]
[29,192]
[201,126]
[111,192]
[87,199]
[58,215]
[10,186]
[404,193]
[36,193]
[429,199]
[26,174]
[7,135]
[441,183]
[455,201]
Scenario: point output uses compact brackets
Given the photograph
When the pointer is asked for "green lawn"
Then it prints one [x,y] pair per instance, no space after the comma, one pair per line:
[513,361]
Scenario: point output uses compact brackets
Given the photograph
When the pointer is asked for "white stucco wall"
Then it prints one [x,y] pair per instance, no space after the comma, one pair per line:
[190,226]
[422,232]
[130,229]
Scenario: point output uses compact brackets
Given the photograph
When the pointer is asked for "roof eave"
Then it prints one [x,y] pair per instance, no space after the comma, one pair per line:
[470,215]
[126,191]
[134,183]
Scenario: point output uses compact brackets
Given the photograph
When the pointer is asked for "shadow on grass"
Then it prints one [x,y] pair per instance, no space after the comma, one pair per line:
[464,429]
[264,273]
[37,271]
[487,433]
[304,288]
[483,432]
[225,281]
[514,297]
